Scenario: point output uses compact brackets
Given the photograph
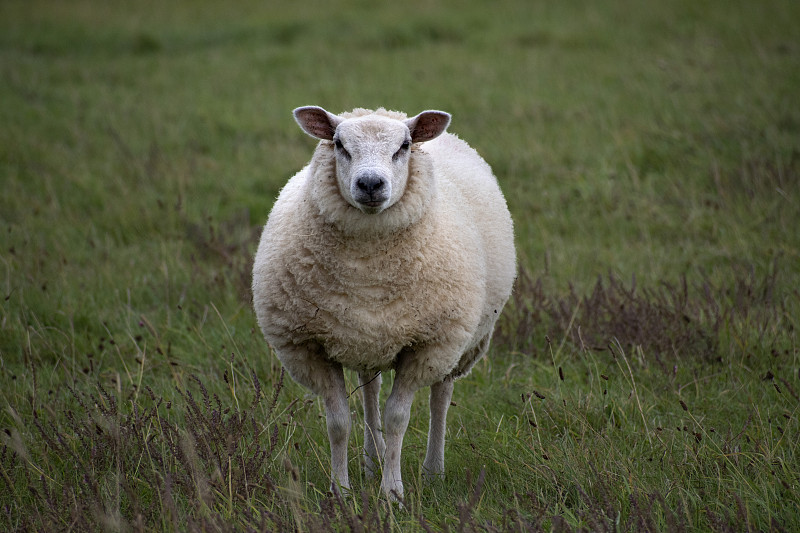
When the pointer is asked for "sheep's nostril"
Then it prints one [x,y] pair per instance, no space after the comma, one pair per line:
[370,184]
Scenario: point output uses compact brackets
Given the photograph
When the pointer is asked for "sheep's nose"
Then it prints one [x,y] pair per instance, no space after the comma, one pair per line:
[370,183]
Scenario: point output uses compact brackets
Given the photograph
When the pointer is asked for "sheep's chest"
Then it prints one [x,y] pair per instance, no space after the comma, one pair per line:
[365,310]
[366,338]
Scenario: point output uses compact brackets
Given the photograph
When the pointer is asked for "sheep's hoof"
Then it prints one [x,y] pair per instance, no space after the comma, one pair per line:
[432,476]
[392,506]
[339,490]
[394,494]
[393,503]
[433,471]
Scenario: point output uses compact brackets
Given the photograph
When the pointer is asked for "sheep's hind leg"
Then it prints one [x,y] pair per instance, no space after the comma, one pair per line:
[374,446]
[441,393]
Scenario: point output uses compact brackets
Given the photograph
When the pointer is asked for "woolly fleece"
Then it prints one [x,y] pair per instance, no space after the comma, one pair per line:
[436,268]
[384,252]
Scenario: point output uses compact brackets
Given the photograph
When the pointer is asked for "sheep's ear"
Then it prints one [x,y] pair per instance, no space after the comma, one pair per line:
[317,122]
[427,125]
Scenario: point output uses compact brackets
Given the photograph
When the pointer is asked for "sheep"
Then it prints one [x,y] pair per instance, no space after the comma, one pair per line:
[392,249]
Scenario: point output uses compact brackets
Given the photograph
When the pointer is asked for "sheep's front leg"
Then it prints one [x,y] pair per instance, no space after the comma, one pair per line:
[374,446]
[337,416]
[441,393]
[395,422]
[310,368]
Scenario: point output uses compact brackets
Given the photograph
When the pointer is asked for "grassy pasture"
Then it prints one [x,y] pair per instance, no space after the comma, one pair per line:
[645,376]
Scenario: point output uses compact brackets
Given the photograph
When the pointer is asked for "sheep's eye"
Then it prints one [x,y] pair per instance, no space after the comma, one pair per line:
[339,146]
[403,148]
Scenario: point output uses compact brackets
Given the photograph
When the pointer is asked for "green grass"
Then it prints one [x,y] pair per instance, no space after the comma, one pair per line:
[650,154]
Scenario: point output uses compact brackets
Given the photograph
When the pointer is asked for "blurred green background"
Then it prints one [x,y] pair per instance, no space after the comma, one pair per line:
[142,145]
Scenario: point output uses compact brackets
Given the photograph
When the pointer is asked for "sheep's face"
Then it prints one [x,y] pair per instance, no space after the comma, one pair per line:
[372,161]
[372,152]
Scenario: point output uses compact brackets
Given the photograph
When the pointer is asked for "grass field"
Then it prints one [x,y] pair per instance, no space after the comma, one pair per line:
[645,376]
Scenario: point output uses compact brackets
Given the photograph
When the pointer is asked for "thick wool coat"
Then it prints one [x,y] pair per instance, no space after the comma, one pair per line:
[433,270]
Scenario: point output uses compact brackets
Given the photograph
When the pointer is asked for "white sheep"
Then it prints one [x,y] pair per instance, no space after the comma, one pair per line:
[384,253]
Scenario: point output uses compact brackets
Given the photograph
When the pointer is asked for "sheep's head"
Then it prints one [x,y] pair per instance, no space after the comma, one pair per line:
[372,151]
